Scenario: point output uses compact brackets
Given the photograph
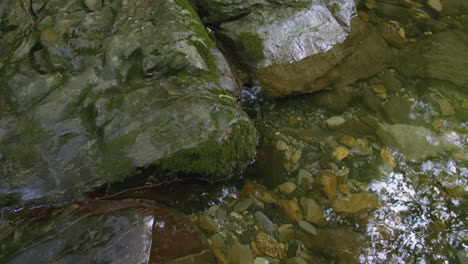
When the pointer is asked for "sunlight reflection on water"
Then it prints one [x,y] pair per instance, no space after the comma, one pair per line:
[403,229]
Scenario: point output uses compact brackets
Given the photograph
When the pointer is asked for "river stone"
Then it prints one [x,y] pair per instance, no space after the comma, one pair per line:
[259,260]
[285,233]
[308,228]
[399,111]
[103,232]
[355,203]
[435,4]
[112,92]
[264,222]
[243,205]
[266,245]
[335,122]
[328,182]
[287,187]
[291,209]
[335,242]
[313,212]
[415,142]
[240,254]
[442,57]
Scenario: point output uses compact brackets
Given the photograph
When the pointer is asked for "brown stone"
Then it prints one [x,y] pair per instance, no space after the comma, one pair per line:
[328,182]
[265,195]
[266,245]
[291,209]
[387,157]
[220,257]
[313,212]
[446,108]
[348,141]
[335,242]
[344,189]
[356,203]
[340,153]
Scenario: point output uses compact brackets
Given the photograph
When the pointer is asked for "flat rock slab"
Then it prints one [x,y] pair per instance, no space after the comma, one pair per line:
[442,56]
[415,142]
[103,232]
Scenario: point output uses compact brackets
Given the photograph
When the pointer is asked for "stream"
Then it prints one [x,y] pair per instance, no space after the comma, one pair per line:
[234,132]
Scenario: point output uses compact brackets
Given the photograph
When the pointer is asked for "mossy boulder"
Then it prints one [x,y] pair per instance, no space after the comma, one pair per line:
[98,90]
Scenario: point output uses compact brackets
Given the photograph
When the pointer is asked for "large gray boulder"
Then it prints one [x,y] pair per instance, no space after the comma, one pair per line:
[94,91]
[304,46]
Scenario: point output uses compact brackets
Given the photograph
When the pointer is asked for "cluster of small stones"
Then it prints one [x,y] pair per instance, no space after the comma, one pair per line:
[273,225]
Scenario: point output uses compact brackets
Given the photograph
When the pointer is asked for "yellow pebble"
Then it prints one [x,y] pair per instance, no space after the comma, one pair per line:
[340,153]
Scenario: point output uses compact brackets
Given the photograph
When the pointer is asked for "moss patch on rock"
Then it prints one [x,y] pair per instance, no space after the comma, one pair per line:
[217,158]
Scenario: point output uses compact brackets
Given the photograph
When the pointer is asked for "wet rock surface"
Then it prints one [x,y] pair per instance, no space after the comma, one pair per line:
[109,231]
[103,90]
[370,170]
[440,57]
[361,54]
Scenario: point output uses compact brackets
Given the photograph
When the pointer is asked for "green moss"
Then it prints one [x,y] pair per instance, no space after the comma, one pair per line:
[214,158]
[334,8]
[114,165]
[250,45]
[25,155]
[10,200]
[24,151]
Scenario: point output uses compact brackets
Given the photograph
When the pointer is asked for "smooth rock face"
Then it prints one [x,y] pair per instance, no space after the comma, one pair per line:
[279,43]
[363,54]
[101,90]
[269,35]
[416,143]
[217,11]
[103,232]
[441,57]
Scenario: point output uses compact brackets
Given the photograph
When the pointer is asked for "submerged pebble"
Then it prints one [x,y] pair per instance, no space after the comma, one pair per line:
[287,187]
[308,228]
[335,122]
[264,222]
[240,254]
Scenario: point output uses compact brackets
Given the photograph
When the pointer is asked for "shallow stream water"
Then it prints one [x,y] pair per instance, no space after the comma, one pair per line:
[420,216]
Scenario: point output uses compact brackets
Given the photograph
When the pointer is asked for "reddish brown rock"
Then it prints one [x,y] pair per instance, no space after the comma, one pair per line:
[111,231]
